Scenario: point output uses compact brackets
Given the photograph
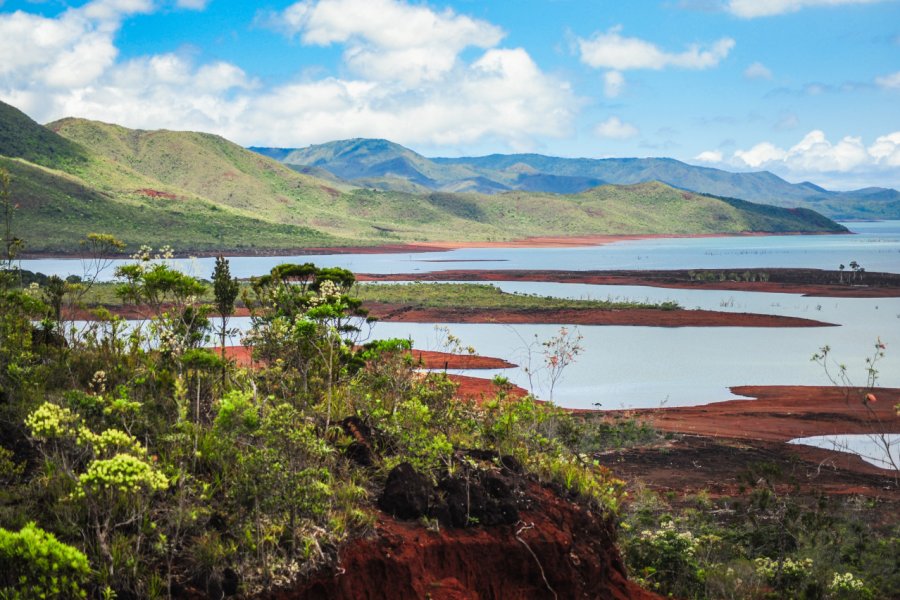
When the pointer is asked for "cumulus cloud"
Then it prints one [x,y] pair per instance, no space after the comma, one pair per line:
[709,156]
[891,81]
[757,71]
[886,150]
[612,51]
[387,38]
[749,9]
[615,129]
[815,154]
[410,84]
[760,154]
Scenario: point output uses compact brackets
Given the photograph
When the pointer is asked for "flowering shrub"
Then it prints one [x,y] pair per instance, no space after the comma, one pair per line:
[666,560]
[846,586]
[786,576]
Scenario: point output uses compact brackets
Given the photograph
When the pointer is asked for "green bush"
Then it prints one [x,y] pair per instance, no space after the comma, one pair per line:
[34,564]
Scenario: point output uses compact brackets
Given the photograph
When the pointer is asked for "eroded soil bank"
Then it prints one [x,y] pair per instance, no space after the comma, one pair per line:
[808,282]
[585,316]
[558,549]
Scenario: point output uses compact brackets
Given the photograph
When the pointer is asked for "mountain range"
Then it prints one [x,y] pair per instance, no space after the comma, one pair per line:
[384,165]
[200,192]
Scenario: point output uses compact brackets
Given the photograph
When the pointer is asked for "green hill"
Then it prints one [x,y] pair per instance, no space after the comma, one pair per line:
[200,192]
[385,165]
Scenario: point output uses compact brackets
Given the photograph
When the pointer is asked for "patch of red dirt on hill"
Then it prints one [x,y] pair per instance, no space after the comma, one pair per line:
[156,194]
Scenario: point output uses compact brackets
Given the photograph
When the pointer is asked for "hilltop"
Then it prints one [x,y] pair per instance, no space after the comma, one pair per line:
[385,165]
[200,192]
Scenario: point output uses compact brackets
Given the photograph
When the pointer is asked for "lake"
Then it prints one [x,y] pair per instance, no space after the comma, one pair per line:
[649,367]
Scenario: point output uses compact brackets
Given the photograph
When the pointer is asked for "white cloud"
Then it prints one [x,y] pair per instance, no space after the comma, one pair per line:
[891,81]
[757,71]
[611,50]
[388,39]
[760,154]
[710,156]
[750,9]
[613,83]
[815,154]
[614,128]
[886,150]
[410,84]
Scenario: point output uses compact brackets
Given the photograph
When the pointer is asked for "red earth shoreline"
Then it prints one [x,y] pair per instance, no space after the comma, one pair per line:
[589,316]
[665,279]
[441,246]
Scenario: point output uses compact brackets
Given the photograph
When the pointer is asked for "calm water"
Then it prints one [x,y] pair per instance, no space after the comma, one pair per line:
[881,451]
[652,366]
[875,246]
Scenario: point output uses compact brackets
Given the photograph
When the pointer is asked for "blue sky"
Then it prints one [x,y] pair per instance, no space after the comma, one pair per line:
[809,89]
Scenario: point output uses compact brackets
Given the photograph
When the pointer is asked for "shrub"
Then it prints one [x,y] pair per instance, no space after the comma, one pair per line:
[34,564]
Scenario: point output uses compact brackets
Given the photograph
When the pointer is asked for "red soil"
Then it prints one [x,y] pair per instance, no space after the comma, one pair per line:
[586,316]
[809,282]
[479,388]
[577,316]
[573,547]
[721,442]
[157,194]
[781,413]
[445,360]
[429,359]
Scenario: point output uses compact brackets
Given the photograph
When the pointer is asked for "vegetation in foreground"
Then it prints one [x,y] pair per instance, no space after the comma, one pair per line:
[136,462]
[766,543]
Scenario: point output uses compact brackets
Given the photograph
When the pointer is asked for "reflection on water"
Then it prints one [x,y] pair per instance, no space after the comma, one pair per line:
[881,450]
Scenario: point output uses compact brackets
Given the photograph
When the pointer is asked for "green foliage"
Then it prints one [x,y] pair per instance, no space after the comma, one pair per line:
[478,296]
[34,564]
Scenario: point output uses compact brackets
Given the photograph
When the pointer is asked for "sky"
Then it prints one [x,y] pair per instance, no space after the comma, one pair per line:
[808,89]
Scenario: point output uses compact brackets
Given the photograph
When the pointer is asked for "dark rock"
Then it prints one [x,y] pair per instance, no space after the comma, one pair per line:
[406,493]
[360,450]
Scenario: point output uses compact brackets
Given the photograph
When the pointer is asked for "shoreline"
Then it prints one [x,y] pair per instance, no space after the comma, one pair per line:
[443,246]
[637,317]
[806,282]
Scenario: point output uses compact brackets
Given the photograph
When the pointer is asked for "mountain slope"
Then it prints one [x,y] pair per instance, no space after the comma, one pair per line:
[385,165]
[200,192]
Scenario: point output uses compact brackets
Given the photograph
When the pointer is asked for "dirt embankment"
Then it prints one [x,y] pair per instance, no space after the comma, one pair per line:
[558,549]
[808,282]
[585,316]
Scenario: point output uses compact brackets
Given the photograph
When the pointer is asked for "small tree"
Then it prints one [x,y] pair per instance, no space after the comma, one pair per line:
[225,289]
[11,244]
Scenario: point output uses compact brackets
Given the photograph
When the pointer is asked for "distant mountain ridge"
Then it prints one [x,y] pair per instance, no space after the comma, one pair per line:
[382,164]
[202,193]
